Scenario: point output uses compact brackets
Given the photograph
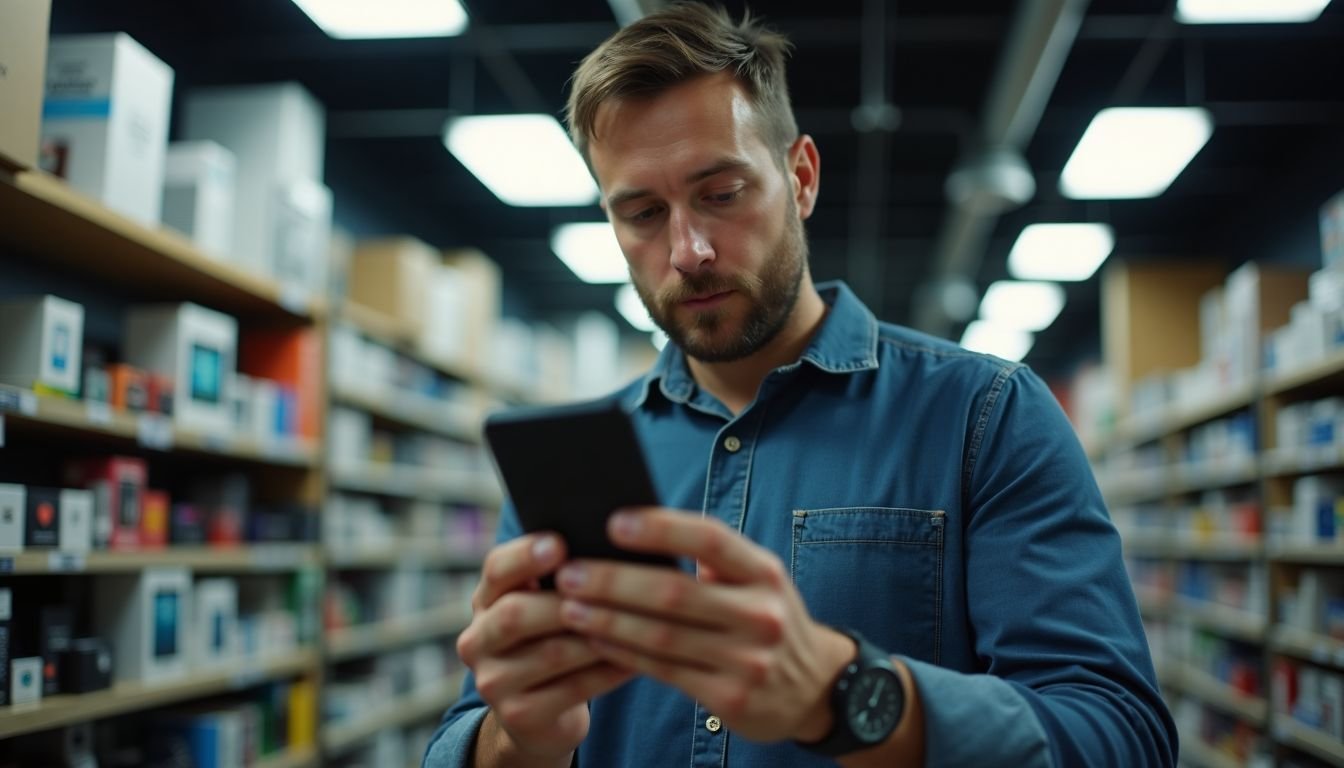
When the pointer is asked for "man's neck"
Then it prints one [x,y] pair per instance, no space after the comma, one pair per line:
[735,383]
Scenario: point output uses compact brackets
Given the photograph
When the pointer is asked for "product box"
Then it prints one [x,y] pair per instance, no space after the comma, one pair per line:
[44,338]
[23,61]
[390,275]
[1332,232]
[187,525]
[105,121]
[194,346]
[292,358]
[198,194]
[128,388]
[463,307]
[145,617]
[277,134]
[86,666]
[215,739]
[302,714]
[118,485]
[77,514]
[25,681]
[215,622]
[154,520]
[6,640]
[13,516]
[301,220]
[43,526]
[55,629]
[97,385]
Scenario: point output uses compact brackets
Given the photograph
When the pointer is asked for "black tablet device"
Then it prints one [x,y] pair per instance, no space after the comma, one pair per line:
[568,468]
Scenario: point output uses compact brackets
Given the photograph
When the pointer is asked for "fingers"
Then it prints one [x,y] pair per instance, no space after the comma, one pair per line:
[538,709]
[516,565]
[677,643]
[722,694]
[728,554]
[513,620]
[532,666]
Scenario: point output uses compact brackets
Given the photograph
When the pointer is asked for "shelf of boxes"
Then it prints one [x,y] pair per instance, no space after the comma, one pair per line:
[1136,486]
[290,758]
[413,482]
[1288,462]
[408,553]
[1328,370]
[25,411]
[253,558]
[1230,548]
[1307,739]
[415,411]
[1217,694]
[338,738]
[1171,420]
[127,697]
[1331,553]
[1222,619]
[1195,752]
[1311,646]
[397,632]
[47,219]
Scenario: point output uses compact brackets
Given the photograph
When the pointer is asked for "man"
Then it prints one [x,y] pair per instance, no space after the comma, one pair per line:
[902,558]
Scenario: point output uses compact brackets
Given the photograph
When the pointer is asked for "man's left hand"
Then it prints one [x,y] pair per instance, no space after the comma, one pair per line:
[738,639]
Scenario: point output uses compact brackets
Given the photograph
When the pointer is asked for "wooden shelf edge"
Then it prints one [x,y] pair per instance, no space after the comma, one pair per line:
[1217,694]
[1310,646]
[408,416]
[404,553]
[1288,380]
[1172,420]
[259,558]
[372,639]
[1304,737]
[125,698]
[305,757]
[1202,754]
[1323,554]
[339,738]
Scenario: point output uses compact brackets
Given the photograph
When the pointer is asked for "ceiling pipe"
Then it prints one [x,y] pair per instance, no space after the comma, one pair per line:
[992,177]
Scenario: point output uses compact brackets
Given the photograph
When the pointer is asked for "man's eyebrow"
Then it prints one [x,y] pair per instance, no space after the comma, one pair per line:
[720,166]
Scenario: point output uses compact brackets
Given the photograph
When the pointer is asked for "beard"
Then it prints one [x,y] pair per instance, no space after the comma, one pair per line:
[771,296]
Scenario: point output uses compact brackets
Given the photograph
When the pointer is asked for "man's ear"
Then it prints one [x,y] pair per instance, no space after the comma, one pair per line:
[804,167]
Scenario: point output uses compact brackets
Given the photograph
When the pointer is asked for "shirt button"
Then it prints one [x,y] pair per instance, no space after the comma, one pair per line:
[732,444]
[714,724]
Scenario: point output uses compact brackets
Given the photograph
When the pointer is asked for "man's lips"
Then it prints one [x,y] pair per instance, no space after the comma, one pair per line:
[705,301]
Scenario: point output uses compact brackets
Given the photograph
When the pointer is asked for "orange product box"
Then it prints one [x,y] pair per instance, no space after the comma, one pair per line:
[154,520]
[290,357]
[129,387]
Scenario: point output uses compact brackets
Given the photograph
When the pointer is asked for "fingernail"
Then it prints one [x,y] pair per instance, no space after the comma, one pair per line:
[575,613]
[625,525]
[544,549]
[572,576]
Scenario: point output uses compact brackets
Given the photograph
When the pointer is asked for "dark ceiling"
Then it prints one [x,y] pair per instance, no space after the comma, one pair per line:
[1276,93]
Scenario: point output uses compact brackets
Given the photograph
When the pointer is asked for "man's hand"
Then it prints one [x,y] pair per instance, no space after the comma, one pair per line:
[536,676]
[739,639]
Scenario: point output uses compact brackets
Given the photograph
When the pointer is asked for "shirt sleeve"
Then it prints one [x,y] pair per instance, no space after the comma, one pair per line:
[453,742]
[1068,679]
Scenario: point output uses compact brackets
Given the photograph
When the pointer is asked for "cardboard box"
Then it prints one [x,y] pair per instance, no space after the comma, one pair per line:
[292,358]
[195,347]
[277,133]
[480,313]
[13,516]
[146,616]
[105,121]
[77,514]
[198,194]
[390,275]
[23,64]
[118,485]
[44,339]
[25,681]
[215,623]
[43,524]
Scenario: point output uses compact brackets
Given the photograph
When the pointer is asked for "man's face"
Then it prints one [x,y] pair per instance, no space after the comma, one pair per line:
[705,215]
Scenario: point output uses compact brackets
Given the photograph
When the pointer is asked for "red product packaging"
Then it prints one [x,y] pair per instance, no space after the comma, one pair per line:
[129,387]
[292,358]
[118,485]
[154,520]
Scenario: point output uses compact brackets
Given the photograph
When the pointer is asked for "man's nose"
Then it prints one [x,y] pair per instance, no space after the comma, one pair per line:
[690,248]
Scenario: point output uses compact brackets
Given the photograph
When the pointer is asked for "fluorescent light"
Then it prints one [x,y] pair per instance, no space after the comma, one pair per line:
[1066,252]
[1008,343]
[523,159]
[1132,152]
[360,19]
[590,250]
[632,308]
[1027,306]
[1249,11]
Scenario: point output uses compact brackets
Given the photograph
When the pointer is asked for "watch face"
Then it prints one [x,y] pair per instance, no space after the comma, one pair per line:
[875,703]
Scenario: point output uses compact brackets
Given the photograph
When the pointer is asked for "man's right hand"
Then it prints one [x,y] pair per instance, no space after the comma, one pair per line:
[536,676]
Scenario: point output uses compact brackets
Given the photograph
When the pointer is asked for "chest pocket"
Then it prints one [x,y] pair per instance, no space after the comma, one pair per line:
[877,570]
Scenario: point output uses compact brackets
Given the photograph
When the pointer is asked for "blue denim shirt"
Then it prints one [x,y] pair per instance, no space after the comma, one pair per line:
[935,500]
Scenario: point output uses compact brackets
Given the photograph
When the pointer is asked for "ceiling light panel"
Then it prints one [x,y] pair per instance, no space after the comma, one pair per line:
[526,160]
[1060,252]
[1134,152]
[591,252]
[360,19]
[1008,343]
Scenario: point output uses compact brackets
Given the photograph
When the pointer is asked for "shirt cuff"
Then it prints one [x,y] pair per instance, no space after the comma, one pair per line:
[452,745]
[976,720]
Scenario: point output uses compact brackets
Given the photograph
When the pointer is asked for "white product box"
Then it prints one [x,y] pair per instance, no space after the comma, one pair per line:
[44,337]
[277,133]
[302,236]
[447,301]
[198,194]
[215,623]
[13,500]
[194,346]
[264,399]
[25,681]
[105,120]
[1332,232]
[23,62]
[145,617]
[76,520]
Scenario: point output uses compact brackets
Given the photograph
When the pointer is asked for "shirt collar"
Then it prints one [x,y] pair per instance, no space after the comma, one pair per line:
[845,343]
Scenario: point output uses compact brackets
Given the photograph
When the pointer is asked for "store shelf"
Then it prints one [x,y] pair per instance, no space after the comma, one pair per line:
[250,558]
[1287,462]
[26,412]
[123,698]
[1229,622]
[1217,694]
[415,411]
[47,220]
[1195,752]
[1169,421]
[1322,373]
[341,737]
[344,644]
[290,758]
[423,483]
[1134,486]
[1225,549]
[1331,553]
[1310,740]
[409,553]
[1321,649]
[1152,603]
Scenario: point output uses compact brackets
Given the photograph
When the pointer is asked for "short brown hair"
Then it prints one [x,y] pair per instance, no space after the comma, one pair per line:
[684,41]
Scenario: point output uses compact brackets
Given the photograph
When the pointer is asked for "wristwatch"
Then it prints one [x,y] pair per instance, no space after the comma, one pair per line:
[866,701]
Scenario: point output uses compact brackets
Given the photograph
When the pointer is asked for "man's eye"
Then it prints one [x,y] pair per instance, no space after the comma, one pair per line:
[724,197]
[645,215]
